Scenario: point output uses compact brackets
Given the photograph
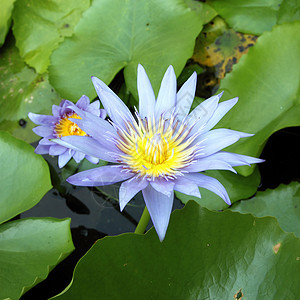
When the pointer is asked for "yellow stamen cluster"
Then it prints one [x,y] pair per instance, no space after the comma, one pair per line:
[65,127]
[156,150]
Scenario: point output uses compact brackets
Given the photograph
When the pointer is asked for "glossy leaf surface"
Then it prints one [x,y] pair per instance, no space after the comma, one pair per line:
[29,249]
[205,255]
[24,176]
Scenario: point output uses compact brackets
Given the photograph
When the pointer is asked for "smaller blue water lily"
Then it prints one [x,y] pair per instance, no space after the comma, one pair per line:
[162,148]
[59,125]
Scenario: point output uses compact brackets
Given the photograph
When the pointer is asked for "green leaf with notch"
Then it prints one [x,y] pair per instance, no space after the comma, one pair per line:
[205,255]
[153,33]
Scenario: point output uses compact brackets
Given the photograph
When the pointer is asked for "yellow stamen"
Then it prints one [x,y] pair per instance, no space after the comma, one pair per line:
[155,150]
[65,127]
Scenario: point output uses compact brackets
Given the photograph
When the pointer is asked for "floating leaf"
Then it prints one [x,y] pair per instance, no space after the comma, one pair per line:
[154,34]
[289,11]
[205,12]
[283,203]
[266,80]
[21,91]
[220,47]
[205,255]
[237,186]
[5,18]
[24,177]
[39,27]
[248,16]
[29,249]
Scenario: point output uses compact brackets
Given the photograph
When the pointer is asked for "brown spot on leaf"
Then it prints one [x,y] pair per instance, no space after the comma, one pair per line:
[276,248]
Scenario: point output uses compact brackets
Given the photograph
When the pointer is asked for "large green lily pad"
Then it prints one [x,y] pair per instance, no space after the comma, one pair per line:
[39,27]
[5,18]
[205,255]
[248,16]
[29,250]
[283,203]
[24,177]
[22,91]
[237,186]
[266,80]
[153,33]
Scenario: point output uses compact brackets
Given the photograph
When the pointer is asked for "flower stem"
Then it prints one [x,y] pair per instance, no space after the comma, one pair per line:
[144,220]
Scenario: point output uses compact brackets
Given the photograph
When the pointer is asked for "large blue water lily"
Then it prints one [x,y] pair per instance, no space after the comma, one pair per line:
[59,125]
[161,148]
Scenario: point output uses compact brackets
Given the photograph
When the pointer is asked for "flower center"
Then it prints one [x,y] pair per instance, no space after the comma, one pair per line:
[156,150]
[65,127]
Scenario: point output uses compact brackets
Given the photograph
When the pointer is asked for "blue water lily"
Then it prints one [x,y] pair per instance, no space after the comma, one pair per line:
[161,148]
[59,125]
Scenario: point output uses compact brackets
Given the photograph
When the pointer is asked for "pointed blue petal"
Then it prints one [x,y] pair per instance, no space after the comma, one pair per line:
[185,97]
[146,94]
[210,184]
[166,99]
[83,102]
[100,176]
[64,158]
[114,106]
[217,139]
[187,187]
[42,119]
[129,189]
[163,186]
[160,207]
[87,145]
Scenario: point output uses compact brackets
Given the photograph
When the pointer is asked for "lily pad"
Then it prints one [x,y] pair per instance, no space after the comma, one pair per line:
[5,18]
[24,177]
[39,27]
[22,91]
[283,203]
[205,255]
[248,16]
[205,12]
[29,250]
[289,11]
[153,33]
[266,80]
[237,186]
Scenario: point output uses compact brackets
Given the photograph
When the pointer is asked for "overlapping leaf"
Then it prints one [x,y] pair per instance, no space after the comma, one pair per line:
[205,255]
[5,18]
[121,34]
[29,249]
[289,11]
[248,16]
[39,27]
[266,80]
[21,91]
[24,176]
[283,203]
